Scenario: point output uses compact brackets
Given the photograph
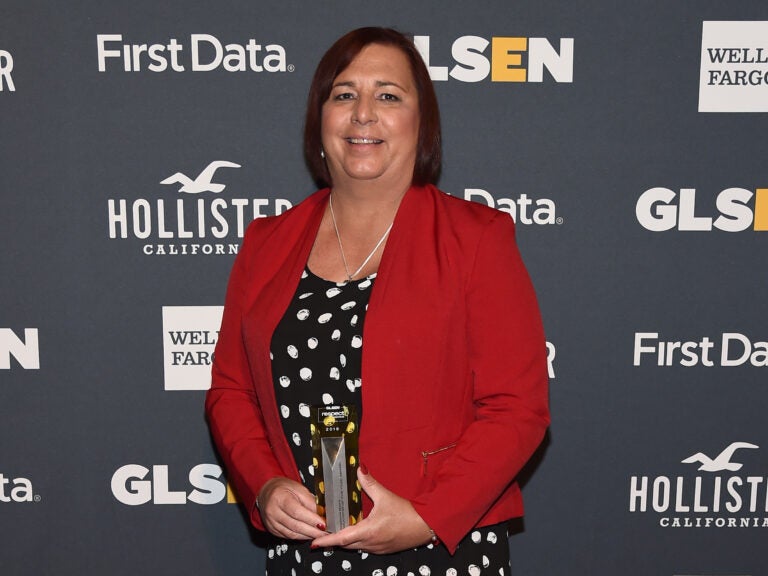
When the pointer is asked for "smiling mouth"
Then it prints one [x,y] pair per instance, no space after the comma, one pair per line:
[363,140]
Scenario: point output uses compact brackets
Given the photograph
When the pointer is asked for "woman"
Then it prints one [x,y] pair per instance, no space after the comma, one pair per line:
[449,372]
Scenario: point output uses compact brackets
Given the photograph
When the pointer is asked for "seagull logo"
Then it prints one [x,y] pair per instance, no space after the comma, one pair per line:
[204,181]
[722,461]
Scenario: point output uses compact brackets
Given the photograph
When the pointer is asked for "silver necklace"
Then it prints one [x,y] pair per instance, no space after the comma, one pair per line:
[341,248]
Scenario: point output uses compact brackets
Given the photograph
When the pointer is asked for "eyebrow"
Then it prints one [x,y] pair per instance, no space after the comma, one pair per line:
[379,84]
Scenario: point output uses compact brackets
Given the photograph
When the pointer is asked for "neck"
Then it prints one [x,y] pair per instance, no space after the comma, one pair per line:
[351,240]
[366,204]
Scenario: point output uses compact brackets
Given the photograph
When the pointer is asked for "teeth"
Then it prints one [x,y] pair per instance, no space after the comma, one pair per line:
[363,141]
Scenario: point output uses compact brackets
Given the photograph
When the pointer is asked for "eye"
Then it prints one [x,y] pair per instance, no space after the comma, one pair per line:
[343,96]
[389,97]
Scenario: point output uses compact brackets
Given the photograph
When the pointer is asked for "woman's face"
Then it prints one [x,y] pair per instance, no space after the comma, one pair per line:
[370,122]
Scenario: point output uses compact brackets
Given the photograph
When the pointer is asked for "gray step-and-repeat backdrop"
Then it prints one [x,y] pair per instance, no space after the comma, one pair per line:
[628,141]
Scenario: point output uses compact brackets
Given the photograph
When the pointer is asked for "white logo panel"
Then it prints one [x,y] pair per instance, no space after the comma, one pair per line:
[190,334]
[734,67]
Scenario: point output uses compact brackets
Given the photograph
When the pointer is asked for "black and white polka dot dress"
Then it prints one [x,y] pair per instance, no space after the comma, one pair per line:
[316,355]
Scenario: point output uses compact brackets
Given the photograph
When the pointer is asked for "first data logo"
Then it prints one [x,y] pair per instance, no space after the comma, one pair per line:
[734,67]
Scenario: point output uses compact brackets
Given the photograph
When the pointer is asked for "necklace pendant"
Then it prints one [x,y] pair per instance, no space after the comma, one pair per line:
[341,248]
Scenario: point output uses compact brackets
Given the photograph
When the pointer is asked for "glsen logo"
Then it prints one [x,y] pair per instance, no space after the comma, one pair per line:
[6,67]
[190,222]
[203,54]
[524,210]
[135,485]
[662,209]
[506,61]
[731,349]
[190,334]
[734,67]
[17,490]
[708,500]
[26,352]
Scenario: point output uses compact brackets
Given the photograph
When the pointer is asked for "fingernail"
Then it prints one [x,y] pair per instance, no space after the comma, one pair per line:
[363,468]
[320,526]
[313,546]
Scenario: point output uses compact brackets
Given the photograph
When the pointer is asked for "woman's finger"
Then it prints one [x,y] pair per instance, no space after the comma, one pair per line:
[288,510]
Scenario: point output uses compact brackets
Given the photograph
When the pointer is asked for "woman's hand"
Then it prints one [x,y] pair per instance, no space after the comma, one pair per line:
[288,510]
[393,524]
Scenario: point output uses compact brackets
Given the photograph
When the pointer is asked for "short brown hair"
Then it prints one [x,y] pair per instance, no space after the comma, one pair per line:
[333,63]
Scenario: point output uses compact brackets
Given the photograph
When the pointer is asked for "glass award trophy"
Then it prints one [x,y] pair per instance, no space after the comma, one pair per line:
[335,460]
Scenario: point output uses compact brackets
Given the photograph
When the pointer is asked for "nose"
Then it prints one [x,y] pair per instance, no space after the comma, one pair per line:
[364,111]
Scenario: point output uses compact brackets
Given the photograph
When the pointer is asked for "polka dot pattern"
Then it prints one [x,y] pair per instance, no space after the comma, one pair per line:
[316,353]
[316,356]
[483,551]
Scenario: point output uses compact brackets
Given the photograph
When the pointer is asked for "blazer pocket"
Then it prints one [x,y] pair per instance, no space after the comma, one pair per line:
[427,454]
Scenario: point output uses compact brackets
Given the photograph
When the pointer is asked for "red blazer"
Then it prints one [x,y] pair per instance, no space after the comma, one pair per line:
[454,361]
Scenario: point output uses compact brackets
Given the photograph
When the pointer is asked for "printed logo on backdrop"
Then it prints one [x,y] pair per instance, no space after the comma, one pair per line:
[201,53]
[727,350]
[189,213]
[523,209]
[190,334]
[26,350]
[730,210]
[734,67]
[17,490]
[551,353]
[135,485]
[510,59]
[203,182]
[6,67]
[718,488]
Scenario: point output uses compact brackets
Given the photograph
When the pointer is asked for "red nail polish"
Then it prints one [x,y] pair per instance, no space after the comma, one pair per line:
[363,468]
[313,546]
[320,526]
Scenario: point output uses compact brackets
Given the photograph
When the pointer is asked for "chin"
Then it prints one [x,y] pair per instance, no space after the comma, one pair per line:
[365,173]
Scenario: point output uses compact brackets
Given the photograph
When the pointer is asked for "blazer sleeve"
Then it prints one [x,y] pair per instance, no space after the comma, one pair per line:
[507,356]
[231,405]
